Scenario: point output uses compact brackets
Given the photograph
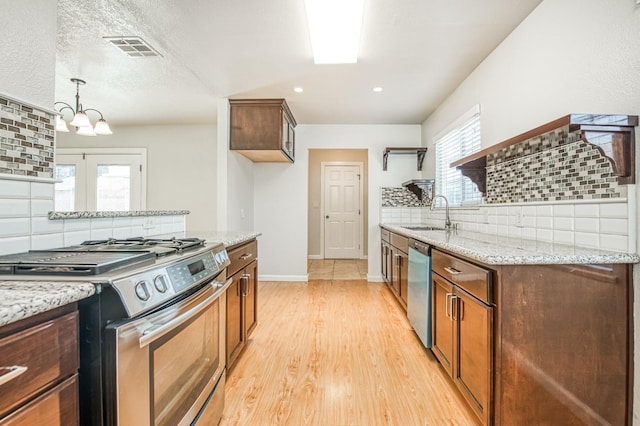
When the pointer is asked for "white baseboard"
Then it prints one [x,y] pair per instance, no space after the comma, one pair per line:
[320,257]
[294,278]
[375,278]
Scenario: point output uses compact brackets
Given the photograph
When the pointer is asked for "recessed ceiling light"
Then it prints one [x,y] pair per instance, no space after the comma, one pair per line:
[377,89]
[298,89]
[334,28]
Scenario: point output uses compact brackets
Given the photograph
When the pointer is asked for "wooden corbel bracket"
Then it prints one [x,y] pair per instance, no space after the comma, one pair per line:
[617,144]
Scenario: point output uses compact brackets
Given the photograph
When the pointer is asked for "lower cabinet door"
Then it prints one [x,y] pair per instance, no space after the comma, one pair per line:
[56,407]
[443,326]
[473,359]
[234,329]
[404,277]
[251,298]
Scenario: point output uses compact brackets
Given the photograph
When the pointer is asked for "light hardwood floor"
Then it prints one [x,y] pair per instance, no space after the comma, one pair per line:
[337,352]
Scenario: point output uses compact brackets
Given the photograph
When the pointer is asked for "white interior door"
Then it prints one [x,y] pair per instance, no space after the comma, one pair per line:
[342,194]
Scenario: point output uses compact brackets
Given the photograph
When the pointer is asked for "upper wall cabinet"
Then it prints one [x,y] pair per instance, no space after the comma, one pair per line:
[262,130]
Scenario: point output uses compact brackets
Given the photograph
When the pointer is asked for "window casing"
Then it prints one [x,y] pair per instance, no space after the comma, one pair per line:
[460,139]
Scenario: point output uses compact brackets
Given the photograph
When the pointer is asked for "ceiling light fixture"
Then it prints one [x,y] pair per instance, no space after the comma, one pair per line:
[334,28]
[298,89]
[377,89]
[80,118]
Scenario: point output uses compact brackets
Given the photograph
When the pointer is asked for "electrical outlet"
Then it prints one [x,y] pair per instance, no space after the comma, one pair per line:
[519,219]
[485,215]
[148,224]
[241,213]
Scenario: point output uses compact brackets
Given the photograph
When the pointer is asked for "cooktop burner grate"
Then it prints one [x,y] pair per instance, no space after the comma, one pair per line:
[70,262]
[94,257]
[179,244]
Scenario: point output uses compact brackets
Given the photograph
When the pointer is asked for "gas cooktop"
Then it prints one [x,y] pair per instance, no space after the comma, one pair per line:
[94,257]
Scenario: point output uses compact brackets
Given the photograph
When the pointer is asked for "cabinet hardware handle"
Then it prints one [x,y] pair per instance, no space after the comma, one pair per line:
[452,271]
[245,284]
[246,256]
[13,372]
[461,312]
[446,305]
[454,307]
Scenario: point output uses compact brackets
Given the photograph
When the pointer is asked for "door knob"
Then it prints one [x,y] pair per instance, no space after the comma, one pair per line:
[326,217]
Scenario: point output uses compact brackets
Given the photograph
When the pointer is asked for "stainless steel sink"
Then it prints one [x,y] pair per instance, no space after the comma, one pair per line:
[423,228]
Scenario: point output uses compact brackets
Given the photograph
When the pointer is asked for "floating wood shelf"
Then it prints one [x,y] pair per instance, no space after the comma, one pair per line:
[420,152]
[618,147]
[421,188]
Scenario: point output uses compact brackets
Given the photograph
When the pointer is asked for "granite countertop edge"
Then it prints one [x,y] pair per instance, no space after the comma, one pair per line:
[23,299]
[106,214]
[503,250]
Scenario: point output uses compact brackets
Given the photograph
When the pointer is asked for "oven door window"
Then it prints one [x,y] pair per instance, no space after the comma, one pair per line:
[183,364]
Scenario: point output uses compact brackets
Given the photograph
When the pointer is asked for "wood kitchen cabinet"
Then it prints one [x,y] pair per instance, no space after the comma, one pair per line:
[262,130]
[536,344]
[39,360]
[385,256]
[463,328]
[395,264]
[242,299]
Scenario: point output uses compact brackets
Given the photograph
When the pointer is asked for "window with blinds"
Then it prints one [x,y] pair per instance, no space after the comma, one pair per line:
[460,140]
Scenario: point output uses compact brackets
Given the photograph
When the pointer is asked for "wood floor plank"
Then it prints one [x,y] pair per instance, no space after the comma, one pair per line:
[332,352]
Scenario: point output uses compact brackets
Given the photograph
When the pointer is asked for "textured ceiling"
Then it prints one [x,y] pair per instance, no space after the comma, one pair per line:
[418,50]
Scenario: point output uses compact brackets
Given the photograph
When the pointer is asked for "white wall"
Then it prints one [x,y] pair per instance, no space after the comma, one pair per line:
[280,192]
[568,56]
[28,38]
[181,166]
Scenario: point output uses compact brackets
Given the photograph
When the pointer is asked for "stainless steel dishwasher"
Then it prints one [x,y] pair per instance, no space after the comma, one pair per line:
[419,293]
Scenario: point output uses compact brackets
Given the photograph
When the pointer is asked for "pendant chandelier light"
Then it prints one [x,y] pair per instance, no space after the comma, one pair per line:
[80,119]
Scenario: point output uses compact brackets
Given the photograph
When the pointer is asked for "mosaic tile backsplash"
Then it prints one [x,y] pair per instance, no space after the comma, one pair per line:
[26,140]
[555,166]
[400,197]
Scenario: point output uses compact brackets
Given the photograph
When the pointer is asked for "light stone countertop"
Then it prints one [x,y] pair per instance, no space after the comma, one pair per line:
[22,299]
[93,215]
[228,238]
[501,250]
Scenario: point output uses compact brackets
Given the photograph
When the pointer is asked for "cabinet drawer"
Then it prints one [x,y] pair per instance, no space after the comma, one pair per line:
[46,353]
[469,277]
[58,406]
[400,242]
[384,235]
[242,256]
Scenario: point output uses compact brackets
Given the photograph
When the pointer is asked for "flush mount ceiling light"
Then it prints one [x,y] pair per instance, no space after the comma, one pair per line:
[377,89]
[298,89]
[334,28]
[80,118]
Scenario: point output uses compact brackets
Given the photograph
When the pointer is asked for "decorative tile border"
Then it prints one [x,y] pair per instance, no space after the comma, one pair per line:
[26,139]
[400,197]
[555,166]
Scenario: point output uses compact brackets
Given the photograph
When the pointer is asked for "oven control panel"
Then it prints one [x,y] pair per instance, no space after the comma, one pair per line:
[189,272]
[158,284]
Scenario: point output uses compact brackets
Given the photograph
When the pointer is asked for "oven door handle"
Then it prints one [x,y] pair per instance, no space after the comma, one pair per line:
[152,334]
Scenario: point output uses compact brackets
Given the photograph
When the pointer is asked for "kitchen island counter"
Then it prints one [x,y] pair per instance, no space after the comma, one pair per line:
[502,250]
[22,299]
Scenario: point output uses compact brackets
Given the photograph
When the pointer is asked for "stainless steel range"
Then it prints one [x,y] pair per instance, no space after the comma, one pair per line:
[152,337]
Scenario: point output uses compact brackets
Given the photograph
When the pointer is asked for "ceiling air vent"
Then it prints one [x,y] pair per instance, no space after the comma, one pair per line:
[133,46]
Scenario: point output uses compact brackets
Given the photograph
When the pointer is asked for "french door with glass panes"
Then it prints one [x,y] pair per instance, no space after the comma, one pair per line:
[99,181]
